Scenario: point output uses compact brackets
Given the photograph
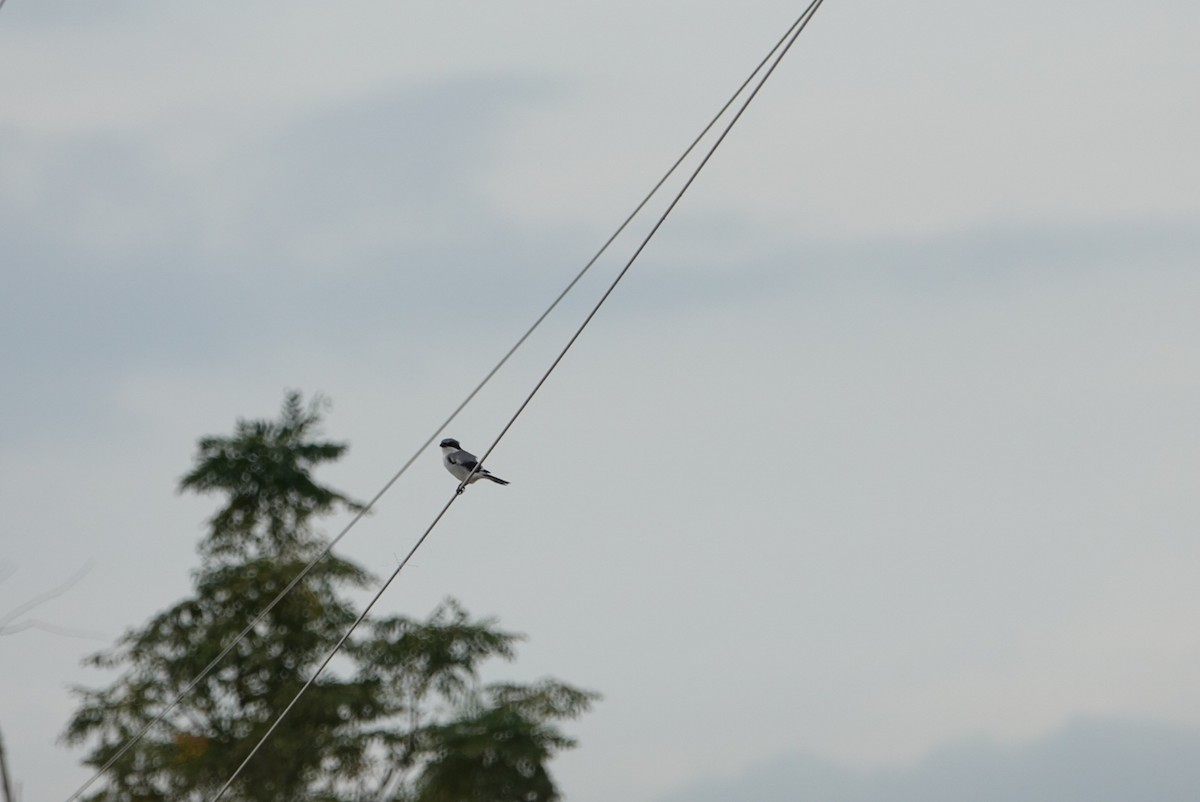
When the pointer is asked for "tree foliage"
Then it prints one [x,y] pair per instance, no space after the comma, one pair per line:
[406,716]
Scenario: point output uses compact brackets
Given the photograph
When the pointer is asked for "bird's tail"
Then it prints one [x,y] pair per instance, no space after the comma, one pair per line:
[495,479]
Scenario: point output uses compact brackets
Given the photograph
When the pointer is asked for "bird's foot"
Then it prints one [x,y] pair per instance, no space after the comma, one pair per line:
[460,490]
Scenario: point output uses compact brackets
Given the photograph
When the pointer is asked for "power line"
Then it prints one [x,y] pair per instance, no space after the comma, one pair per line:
[799,26]
[136,737]
[793,33]
[337,648]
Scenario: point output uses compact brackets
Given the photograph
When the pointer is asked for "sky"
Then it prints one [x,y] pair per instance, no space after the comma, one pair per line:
[876,476]
[1106,761]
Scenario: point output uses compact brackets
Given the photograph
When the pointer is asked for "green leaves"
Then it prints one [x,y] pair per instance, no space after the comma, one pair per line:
[439,655]
[498,746]
[265,472]
[402,715]
[496,755]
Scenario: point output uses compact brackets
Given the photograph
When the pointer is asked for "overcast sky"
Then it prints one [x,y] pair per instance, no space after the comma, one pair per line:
[890,439]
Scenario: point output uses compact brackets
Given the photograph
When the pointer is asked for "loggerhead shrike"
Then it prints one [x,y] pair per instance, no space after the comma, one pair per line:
[460,464]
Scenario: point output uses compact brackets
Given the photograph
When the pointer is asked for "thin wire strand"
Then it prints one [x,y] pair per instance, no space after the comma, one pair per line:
[333,652]
[129,744]
[798,27]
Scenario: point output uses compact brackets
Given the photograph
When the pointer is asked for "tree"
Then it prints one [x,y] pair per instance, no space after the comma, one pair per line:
[406,718]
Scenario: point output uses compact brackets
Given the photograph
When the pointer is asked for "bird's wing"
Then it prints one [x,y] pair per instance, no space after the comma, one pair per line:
[463,458]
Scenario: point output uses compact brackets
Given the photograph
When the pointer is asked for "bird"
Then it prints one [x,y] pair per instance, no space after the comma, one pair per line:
[460,464]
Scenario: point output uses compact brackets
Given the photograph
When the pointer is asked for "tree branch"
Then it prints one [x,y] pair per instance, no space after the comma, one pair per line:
[7,627]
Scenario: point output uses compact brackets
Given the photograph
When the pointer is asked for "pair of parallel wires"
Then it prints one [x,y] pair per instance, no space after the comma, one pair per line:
[757,78]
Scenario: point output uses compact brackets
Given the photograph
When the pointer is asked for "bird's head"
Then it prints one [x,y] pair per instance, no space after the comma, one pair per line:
[450,442]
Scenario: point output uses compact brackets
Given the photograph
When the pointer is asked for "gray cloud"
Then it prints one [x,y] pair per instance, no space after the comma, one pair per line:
[1087,761]
[116,261]
[946,266]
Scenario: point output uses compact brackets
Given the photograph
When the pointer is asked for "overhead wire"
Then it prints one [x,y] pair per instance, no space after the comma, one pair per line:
[208,669]
[787,41]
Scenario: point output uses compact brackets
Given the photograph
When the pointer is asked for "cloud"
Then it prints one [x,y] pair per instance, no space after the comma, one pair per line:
[1087,761]
[366,178]
[124,256]
[945,267]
